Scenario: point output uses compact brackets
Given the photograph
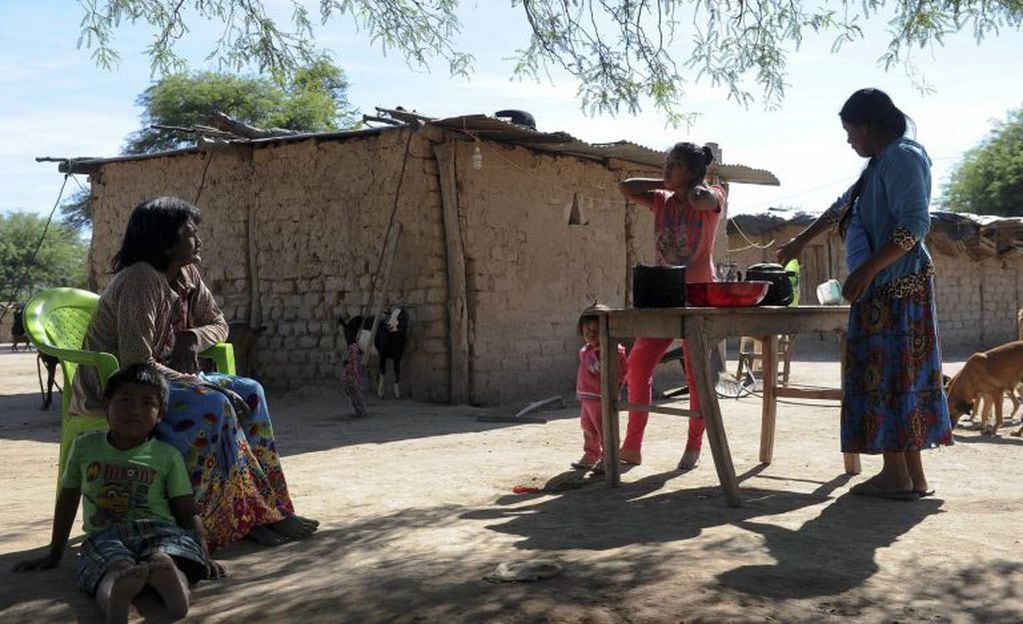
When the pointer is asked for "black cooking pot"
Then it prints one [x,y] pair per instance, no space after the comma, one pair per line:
[779,293]
[658,286]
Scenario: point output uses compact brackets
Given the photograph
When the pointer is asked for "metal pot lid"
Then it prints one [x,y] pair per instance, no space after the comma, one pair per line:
[769,267]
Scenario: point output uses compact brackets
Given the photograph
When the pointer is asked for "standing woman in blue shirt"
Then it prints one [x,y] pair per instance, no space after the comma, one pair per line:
[893,402]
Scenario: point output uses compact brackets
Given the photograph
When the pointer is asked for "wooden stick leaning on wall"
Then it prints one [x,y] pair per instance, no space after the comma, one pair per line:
[377,303]
[393,229]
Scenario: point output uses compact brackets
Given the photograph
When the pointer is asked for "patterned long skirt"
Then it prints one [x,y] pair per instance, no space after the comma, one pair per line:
[893,397]
[232,459]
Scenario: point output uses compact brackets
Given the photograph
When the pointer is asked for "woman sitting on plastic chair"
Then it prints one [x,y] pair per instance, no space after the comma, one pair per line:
[158,310]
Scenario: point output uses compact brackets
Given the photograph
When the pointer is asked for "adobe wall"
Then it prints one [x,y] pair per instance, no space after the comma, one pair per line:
[543,235]
[319,216]
[977,299]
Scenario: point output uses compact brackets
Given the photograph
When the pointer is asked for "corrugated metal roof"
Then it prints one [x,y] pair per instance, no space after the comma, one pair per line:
[478,126]
[489,128]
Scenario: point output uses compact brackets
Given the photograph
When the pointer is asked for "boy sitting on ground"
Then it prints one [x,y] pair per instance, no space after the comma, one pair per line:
[139,513]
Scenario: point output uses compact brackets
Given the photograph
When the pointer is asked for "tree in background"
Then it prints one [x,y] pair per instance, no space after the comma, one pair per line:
[989,180]
[76,211]
[618,51]
[314,100]
[60,260]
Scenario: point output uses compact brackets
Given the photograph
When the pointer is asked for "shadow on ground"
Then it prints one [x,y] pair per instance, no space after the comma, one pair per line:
[349,574]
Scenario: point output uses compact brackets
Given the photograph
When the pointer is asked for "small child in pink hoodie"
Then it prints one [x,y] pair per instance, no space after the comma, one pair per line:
[587,389]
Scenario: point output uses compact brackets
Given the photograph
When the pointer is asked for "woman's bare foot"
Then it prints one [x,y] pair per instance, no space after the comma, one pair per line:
[265,536]
[920,486]
[118,588]
[915,468]
[690,459]
[884,483]
[170,583]
[295,527]
[630,456]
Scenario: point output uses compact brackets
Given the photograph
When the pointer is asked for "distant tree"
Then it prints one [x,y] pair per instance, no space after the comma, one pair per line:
[313,100]
[989,180]
[60,261]
[618,51]
[76,211]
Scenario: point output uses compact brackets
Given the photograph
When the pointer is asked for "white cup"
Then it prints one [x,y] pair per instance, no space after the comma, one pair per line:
[830,293]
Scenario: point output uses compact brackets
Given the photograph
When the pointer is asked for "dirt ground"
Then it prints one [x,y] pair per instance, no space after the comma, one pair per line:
[416,506]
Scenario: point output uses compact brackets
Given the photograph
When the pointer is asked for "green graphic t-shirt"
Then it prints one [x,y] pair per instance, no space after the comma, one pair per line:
[123,486]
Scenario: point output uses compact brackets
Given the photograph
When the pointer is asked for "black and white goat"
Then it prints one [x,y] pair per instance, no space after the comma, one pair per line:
[389,342]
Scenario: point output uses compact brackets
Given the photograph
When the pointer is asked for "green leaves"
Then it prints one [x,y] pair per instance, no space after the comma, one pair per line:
[621,52]
[313,100]
[989,180]
[60,261]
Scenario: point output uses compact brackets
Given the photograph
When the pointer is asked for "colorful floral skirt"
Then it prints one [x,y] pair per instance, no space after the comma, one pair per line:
[232,459]
[893,398]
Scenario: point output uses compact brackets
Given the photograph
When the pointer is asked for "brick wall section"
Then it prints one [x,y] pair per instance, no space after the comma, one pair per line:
[320,211]
[531,271]
[320,215]
[977,299]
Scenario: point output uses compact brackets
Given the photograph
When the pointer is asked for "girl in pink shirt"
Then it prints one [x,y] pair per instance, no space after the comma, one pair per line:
[587,389]
[686,212]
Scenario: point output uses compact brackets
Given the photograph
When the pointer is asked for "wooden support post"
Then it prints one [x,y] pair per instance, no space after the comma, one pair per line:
[458,312]
[769,409]
[609,404]
[696,340]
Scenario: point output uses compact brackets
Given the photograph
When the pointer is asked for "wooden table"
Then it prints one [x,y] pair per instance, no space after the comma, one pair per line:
[702,328]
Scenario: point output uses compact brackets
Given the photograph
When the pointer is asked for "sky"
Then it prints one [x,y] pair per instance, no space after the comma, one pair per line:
[54,101]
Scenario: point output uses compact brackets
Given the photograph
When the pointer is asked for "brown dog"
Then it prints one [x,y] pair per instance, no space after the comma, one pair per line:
[986,377]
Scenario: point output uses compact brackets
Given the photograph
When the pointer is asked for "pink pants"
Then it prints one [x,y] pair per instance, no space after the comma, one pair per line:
[645,355]
[593,430]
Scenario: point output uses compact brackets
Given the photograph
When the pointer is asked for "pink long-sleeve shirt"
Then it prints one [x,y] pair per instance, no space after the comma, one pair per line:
[587,380]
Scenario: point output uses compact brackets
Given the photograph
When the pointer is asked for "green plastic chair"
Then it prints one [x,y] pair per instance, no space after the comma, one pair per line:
[55,321]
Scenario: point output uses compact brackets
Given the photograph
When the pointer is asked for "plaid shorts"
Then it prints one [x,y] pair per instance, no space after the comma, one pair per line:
[134,542]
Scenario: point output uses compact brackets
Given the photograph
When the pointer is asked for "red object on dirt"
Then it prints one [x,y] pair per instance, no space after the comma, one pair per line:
[525,489]
[725,294]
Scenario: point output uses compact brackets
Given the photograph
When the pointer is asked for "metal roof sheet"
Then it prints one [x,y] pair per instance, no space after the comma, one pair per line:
[476,126]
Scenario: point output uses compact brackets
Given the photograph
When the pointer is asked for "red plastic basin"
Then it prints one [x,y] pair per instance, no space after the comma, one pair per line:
[725,294]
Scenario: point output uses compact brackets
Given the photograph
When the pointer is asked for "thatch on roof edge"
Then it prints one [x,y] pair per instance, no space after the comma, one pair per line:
[952,233]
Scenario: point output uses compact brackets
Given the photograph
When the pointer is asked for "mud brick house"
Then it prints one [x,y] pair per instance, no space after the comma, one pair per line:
[493,235]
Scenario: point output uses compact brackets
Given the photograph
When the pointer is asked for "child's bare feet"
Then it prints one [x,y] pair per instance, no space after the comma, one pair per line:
[631,456]
[295,527]
[170,583]
[118,588]
[690,459]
